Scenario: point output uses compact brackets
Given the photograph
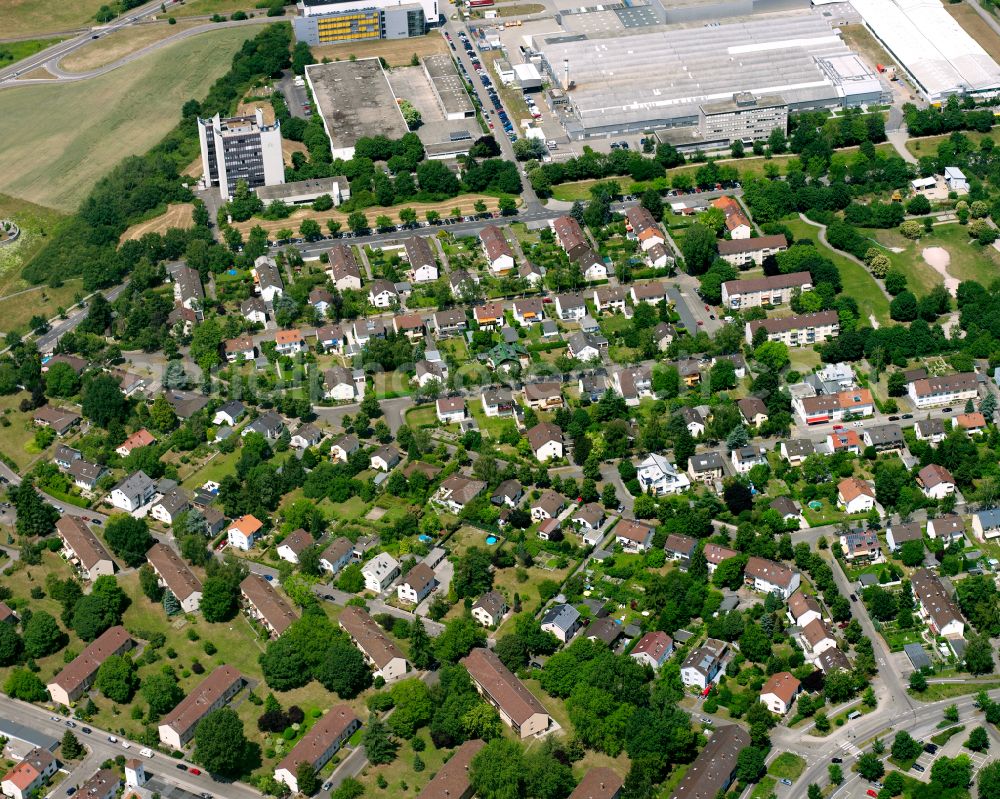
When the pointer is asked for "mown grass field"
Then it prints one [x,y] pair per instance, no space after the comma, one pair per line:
[55,160]
[24,17]
[36,223]
[12,52]
[119,44]
[196,8]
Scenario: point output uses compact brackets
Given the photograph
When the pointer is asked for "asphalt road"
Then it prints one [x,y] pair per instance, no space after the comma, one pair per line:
[59,327]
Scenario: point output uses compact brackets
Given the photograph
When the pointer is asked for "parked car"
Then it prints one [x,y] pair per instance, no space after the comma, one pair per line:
[194,771]
[930,748]
[917,767]
[181,767]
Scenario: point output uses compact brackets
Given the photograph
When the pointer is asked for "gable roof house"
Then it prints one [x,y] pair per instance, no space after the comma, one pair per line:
[343,268]
[452,780]
[456,491]
[985,524]
[60,420]
[770,577]
[379,572]
[779,692]
[294,544]
[714,770]
[935,481]
[490,609]
[547,506]
[653,649]
[633,383]
[562,621]
[188,290]
[641,224]
[386,458]
[382,294]
[659,476]
[570,307]
[855,495]
[27,778]
[488,316]
[745,458]
[337,555]
[133,492]
[319,745]
[705,664]
[742,252]
[169,506]
[935,605]
[517,706]
[652,293]
[244,532]
[497,402]
[77,677]
[344,447]
[545,395]
[174,575]
[737,223]
[264,604]
[885,438]
[899,533]
[796,450]
[633,536]
[499,255]
[705,467]
[416,585]
[803,608]
[546,441]
[930,430]
[423,265]
[528,310]
[254,310]
[268,278]
[680,548]
[950,527]
[715,554]
[451,409]
[214,692]
[817,637]
[753,410]
[861,546]
[380,652]
[610,299]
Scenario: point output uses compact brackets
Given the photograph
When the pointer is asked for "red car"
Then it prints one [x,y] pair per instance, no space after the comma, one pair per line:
[872,792]
[194,771]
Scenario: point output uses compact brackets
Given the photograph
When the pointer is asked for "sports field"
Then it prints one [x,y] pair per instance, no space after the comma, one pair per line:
[54,160]
[25,17]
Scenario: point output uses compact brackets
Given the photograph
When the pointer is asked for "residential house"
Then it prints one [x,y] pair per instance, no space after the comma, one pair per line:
[307,435]
[490,609]
[174,575]
[693,421]
[797,331]
[380,652]
[528,310]
[429,371]
[592,386]
[927,392]
[788,510]
[497,402]
[985,524]
[714,770]
[834,407]
[171,505]
[633,383]
[587,346]
[705,664]
[415,586]
[79,674]
[715,554]
[935,481]
[861,546]
[547,506]
[268,278]
[832,660]
[488,316]
[589,517]
[680,548]
[177,728]
[364,330]
[83,549]
[462,283]
[452,780]
[817,637]
[450,322]
[855,495]
[60,420]
[336,556]
[745,458]
[753,410]
[85,475]
[244,532]
[738,225]
[659,476]
[386,458]
[562,621]
[263,604]
[339,384]
[705,467]
[797,450]
[951,529]
[970,423]
[935,605]
[289,342]
[885,438]
[134,492]
[519,709]
[499,255]
[845,441]
[633,536]
[411,325]
[506,357]
[343,268]
[570,307]
[64,456]
[379,572]
[103,784]
[188,291]
[779,692]
[743,252]
[451,410]
[241,347]
[423,265]
[770,577]
[546,440]
[28,777]
[456,491]
[930,430]
[294,544]
[344,447]
[509,493]
[604,629]
[269,425]
[382,294]
[229,413]
[803,609]
[254,310]
[330,337]
[641,224]
[664,335]
[653,649]
[531,274]
[899,533]
[323,740]
[321,300]
[652,293]
[544,396]
[610,299]
[758,291]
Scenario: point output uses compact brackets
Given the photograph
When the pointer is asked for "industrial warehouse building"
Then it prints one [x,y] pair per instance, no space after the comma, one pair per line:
[673,77]
[935,51]
[449,89]
[355,101]
[332,21]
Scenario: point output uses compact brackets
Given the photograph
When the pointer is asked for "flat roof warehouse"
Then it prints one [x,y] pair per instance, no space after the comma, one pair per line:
[661,78]
[355,101]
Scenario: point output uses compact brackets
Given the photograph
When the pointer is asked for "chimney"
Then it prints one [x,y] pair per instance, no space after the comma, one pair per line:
[565,74]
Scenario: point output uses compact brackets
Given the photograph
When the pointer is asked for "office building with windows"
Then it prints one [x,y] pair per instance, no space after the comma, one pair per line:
[241,148]
[332,21]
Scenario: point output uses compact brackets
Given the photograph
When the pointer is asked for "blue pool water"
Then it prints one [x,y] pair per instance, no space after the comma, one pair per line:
[491,539]
[424,538]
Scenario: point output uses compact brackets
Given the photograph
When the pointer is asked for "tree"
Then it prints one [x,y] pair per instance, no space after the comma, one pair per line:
[750,764]
[979,654]
[92,615]
[413,707]
[912,553]
[379,746]
[952,772]
[836,773]
[219,599]
[61,380]
[699,249]
[979,740]
[103,401]
[755,645]
[870,767]
[220,743]
[905,747]
[42,635]
[497,770]
[421,647]
[460,636]
[305,776]
[903,307]
[918,682]
[24,685]
[150,583]
[989,779]
[893,784]
[473,575]
[343,669]
[161,691]
[814,791]
[10,645]
[116,678]
[128,538]
[35,516]
[71,747]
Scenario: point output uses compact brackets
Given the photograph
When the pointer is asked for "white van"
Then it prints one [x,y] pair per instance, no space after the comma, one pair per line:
[146,752]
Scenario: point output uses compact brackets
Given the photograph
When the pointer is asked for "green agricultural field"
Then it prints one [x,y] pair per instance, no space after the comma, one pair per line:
[26,17]
[858,283]
[12,52]
[54,160]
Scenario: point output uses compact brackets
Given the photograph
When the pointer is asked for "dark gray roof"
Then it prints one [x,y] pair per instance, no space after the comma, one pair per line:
[562,616]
